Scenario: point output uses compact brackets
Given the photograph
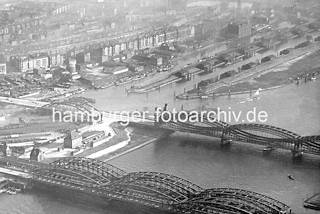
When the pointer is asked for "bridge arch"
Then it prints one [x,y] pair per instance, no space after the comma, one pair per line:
[99,170]
[228,200]
[166,186]
[274,132]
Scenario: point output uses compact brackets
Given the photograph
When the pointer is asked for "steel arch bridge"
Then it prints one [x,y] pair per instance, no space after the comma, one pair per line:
[99,171]
[153,190]
[260,134]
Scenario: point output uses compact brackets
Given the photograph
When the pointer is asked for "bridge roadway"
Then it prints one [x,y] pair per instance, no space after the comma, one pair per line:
[156,191]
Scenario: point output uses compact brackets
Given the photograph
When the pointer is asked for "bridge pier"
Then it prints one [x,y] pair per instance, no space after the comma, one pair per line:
[225,142]
[297,154]
[297,150]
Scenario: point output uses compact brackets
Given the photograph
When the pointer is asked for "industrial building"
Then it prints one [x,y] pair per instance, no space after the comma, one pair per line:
[73,140]
[37,62]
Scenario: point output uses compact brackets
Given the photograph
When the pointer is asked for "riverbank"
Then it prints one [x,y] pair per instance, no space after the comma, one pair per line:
[206,96]
[125,140]
[304,70]
[185,60]
[141,136]
[271,76]
[154,86]
[119,138]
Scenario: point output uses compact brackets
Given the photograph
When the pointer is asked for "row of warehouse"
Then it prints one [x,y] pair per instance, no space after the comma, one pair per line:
[101,52]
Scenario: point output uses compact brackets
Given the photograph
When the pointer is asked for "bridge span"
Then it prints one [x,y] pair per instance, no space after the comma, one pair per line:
[156,191]
[260,134]
[271,137]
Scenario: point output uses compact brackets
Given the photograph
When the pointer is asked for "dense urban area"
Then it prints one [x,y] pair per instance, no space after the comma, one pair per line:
[96,58]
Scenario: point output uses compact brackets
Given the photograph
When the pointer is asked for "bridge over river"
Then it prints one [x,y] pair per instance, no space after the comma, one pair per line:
[151,190]
[260,134]
[253,133]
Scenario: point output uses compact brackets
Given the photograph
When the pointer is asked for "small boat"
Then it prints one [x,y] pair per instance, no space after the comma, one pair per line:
[291,177]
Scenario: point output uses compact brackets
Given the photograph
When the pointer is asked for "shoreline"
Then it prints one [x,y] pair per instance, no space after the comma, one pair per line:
[132,149]
[199,95]
[227,93]
[153,87]
[138,139]
[126,140]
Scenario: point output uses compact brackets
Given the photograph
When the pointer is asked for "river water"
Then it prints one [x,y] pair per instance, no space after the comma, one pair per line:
[200,159]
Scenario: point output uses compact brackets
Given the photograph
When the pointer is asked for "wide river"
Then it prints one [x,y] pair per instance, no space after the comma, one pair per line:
[200,159]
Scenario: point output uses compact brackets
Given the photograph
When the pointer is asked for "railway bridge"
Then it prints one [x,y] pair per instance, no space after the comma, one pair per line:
[271,137]
[260,134]
[152,190]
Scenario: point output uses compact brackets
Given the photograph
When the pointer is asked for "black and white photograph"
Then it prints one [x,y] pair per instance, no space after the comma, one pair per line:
[159,107]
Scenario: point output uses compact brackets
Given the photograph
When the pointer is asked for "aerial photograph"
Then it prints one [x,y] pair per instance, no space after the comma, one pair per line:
[159,106]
